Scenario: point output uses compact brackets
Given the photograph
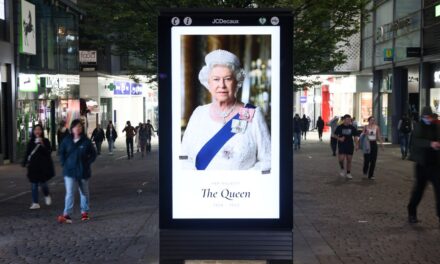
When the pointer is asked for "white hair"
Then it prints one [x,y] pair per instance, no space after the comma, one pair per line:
[222,58]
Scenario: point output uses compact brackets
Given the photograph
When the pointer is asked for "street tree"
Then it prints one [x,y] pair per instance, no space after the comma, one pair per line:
[322,29]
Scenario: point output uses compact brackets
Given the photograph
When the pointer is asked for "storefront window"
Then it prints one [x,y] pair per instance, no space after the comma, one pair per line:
[366,107]
[435,99]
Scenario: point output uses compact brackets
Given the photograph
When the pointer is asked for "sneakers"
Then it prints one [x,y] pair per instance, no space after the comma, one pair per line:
[48,200]
[85,217]
[372,178]
[349,176]
[34,206]
[342,173]
[64,219]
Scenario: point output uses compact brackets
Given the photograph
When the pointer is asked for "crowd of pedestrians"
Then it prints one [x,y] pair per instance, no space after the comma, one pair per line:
[76,154]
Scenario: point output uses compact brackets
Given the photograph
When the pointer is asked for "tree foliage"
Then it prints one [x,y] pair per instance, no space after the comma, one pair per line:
[322,28]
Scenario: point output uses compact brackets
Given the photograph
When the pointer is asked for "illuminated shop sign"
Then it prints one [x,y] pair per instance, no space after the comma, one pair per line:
[27,82]
[437,10]
[437,77]
[127,88]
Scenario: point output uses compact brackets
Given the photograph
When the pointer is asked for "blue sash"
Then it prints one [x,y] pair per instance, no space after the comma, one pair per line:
[213,146]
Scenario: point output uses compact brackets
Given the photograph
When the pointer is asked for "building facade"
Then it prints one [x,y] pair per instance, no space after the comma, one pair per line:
[7,82]
[39,70]
[113,94]
[401,48]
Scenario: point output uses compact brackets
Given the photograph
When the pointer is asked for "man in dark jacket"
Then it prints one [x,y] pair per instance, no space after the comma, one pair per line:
[425,151]
[76,156]
[97,137]
[130,132]
[111,136]
[297,132]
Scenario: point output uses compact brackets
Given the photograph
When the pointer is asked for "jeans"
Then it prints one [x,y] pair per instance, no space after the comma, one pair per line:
[404,144]
[72,185]
[129,143]
[297,139]
[423,175]
[370,160]
[111,144]
[44,188]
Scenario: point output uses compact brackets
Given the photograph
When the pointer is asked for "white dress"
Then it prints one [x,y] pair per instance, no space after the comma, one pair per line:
[250,150]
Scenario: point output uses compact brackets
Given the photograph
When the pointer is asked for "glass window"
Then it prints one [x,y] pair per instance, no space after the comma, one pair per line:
[405,7]
[367,53]
[409,40]
[379,55]
[384,13]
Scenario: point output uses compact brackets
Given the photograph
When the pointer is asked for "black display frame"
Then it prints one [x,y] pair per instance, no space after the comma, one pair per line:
[205,17]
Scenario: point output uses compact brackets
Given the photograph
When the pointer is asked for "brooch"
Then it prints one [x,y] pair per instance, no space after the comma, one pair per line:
[238,126]
[246,114]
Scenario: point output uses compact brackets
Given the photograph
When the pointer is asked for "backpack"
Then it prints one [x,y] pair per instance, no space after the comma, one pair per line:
[405,127]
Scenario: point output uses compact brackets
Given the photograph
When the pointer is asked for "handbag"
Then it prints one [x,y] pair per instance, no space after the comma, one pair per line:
[32,153]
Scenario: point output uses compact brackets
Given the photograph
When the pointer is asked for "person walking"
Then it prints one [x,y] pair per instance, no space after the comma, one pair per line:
[130,132]
[371,135]
[150,132]
[40,168]
[76,157]
[62,132]
[143,138]
[111,135]
[425,152]
[136,138]
[98,137]
[305,125]
[297,132]
[333,124]
[347,137]
[405,128]
[320,127]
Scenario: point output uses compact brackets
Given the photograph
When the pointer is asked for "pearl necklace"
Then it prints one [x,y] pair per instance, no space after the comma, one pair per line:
[226,113]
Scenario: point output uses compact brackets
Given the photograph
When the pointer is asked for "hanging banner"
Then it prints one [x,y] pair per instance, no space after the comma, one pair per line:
[28,43]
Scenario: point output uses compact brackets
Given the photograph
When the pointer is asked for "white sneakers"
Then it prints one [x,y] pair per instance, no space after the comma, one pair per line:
[34,206]
[342,173]
[48,200]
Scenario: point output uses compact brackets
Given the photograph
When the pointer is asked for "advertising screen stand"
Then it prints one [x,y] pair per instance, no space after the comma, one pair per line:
[226,166]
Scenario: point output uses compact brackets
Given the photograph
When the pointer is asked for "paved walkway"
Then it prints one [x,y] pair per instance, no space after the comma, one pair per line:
[124,211]
[359,221]
[336,221]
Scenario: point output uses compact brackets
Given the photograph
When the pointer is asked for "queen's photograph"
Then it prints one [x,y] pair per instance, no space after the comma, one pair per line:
[227,132]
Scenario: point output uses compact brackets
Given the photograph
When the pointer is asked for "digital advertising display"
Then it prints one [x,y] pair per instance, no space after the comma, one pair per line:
[225,80]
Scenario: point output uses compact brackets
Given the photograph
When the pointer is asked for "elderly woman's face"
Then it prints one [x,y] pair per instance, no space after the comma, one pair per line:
[222,84]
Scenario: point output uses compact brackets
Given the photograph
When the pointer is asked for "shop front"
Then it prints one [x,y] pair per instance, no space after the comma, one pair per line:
[118,99]
[45,99]
[434,91]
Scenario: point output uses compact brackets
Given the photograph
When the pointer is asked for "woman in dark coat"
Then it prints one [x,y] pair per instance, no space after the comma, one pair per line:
[305,125]
[39,164]
[320,127]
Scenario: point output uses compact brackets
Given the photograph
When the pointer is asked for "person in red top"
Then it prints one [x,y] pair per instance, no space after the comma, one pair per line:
[130,132]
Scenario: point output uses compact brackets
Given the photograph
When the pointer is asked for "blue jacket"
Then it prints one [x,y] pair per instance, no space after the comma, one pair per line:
[76,158]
